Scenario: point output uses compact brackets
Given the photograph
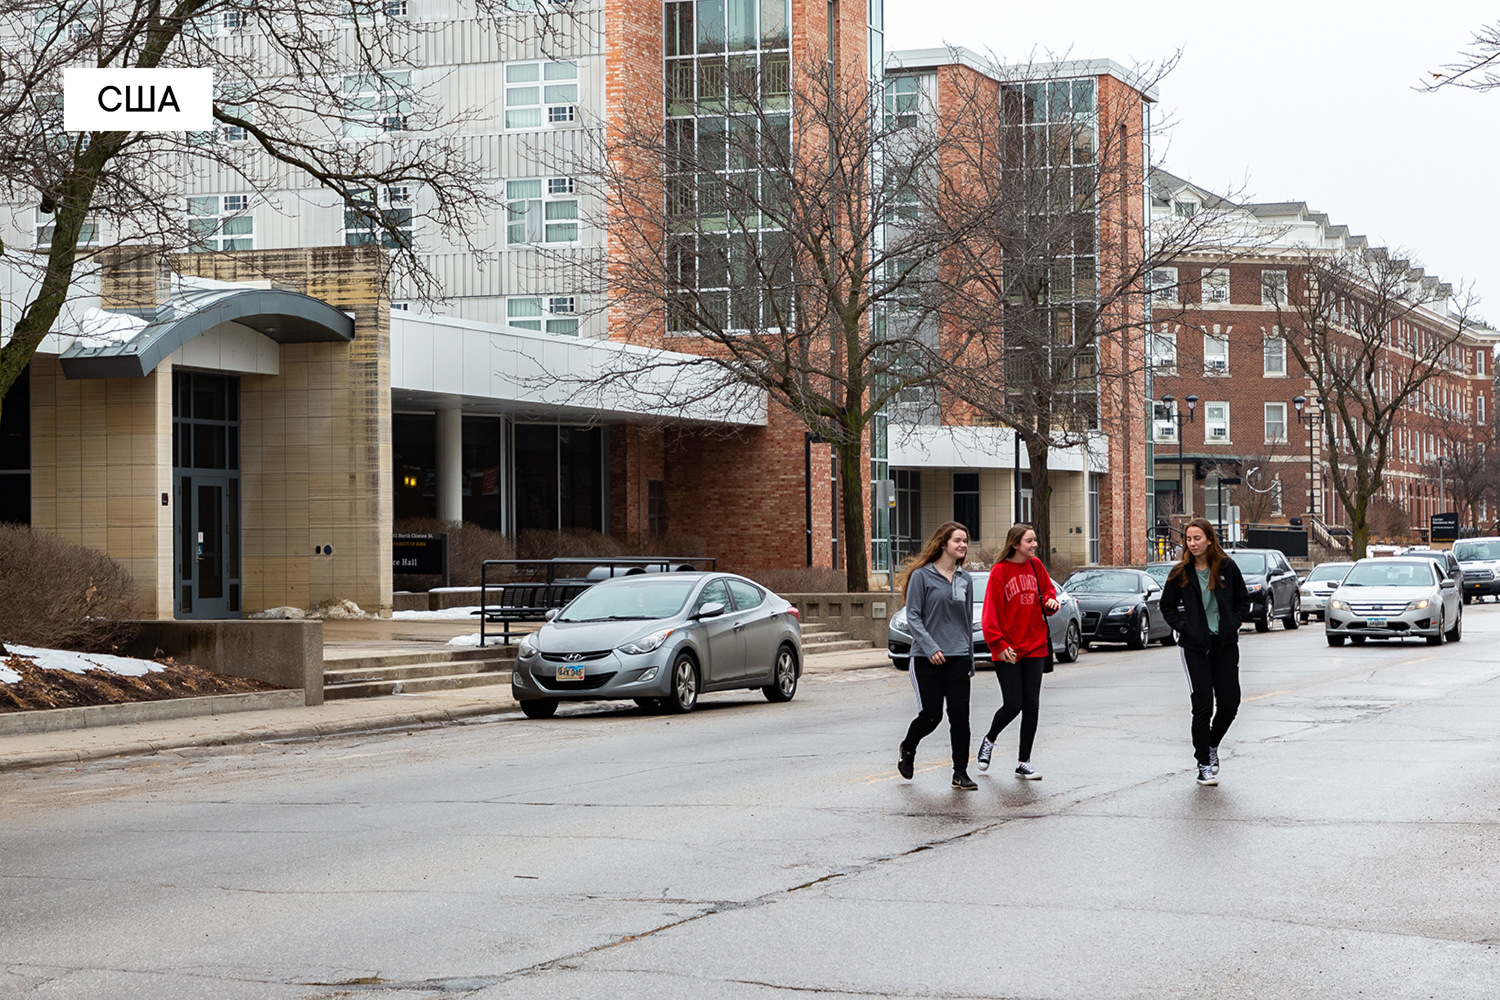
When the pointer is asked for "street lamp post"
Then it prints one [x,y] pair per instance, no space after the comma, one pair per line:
[1192,402]
[1298,403]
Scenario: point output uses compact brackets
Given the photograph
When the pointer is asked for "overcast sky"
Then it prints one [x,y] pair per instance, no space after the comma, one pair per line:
[1309,101]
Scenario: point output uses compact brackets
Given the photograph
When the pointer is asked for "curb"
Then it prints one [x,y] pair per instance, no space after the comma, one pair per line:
[51,720]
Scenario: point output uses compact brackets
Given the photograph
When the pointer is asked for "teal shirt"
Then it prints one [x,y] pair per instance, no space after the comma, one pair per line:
[1210,602]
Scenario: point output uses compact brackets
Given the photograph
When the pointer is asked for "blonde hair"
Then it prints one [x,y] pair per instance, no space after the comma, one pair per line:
[930,552]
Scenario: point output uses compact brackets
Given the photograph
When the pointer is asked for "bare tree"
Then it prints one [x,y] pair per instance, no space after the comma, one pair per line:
[1048,301]
[1477,67]
[1370,330]
[783,231]
[1465,468]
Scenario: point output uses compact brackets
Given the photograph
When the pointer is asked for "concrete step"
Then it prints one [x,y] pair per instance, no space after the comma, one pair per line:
[333,660]
[819,649]
[817,638]
[416,685]
[411,671]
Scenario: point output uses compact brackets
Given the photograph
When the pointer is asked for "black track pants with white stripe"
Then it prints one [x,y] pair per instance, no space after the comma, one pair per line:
[936,684]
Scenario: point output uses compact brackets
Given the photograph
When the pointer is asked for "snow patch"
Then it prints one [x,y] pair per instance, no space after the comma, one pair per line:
[326,611]
[465,640]
[446,614]
[78,663]
[281,612]
[8,676]
[101,328]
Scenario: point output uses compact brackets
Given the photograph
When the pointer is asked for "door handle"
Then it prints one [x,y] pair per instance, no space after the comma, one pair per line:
[738,626]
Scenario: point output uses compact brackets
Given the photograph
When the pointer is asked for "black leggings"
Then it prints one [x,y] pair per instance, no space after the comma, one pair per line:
[1021,686]
[936,683]
[1213,677]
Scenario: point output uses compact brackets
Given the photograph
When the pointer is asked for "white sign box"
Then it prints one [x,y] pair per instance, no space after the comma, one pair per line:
[138,100]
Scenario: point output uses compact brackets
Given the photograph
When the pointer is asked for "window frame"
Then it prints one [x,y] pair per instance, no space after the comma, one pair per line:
[219,238]
[1267,356]
[1272,289]
[1270,437]
[552,191]
[389,100]
[389,200]
[554,112]
[1210,283]
[1210,368]
[1165,291]
[1209,423]
[547,318]
[1155,341]
[1163,427]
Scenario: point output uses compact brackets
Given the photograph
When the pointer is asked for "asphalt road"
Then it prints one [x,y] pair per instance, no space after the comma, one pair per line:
[754,850]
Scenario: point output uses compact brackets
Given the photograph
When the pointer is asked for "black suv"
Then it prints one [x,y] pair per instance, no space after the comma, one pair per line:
[1273,586]
[1447,562]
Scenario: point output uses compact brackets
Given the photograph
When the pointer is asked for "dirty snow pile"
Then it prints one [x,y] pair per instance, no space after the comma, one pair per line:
[465,640]
[446,614]
[326,611]
[77,663]
[101,328]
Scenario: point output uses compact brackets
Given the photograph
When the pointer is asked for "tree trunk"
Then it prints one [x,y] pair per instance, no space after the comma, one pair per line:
[1038,451]
[1359,525]
[852,476]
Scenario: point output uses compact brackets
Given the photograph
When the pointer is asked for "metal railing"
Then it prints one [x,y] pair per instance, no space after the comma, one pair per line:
[542,589]
[1331,536]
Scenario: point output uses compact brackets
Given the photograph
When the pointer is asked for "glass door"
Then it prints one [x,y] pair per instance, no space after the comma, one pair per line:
[205,444]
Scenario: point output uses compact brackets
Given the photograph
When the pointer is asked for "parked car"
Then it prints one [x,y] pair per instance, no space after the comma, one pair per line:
[1274,591]
[1394,598]
[1159,571]
[1323,580]
[1064,627]
[1479,558]
[1446,560]
[662,640]
[1120,605]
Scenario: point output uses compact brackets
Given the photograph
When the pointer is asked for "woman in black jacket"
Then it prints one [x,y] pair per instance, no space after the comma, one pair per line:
[1205,600]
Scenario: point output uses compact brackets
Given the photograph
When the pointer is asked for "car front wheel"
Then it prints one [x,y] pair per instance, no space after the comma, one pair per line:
[1263,623]
[1442,627]
[1335,640]
[684,694]
[1294,616]
[1142,635]
[1072,644]
[1457,632]
[539,708]
[784,680]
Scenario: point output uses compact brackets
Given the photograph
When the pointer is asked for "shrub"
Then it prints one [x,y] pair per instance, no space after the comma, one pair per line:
[62,596]
[802,580]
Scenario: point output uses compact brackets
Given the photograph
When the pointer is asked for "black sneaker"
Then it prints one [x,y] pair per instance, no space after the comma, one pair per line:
[986,748]
[962,780]
[1206,775]
[1213,758]
[907,764]
[1026,772]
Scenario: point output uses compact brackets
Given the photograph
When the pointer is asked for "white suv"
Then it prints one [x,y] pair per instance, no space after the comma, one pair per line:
[1480,560]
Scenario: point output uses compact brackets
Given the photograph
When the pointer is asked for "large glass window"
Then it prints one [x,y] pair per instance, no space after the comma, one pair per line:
[966,502]
[362,222]
[15,452]
[541,95]
[221,223]
[541,210]
[559,476]
[376,103]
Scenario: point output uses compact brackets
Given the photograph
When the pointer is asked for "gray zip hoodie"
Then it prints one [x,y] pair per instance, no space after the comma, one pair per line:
[940,613]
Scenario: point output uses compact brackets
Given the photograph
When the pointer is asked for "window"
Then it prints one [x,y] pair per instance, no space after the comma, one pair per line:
[1275,423]
[902,97]
[541,95]
[1164,422]
[235,20]
[1273,288]
[1479,408]
[1215,285]
[1215,354]
[1275,351]
[1216,423]
[966,501]
[656,508]
[1163,349]
[363,220]
[1276,508]
[220,223]
[45,227]
[557,314]
[1164,284]
[395,8]
[1479,362]
[1185,209]
[1211,493]
[714,593]
[377,103]
[541,211]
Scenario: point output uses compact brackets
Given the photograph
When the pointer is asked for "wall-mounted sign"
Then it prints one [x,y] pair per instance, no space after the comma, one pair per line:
[138,100]
[419,554]
[1443,527]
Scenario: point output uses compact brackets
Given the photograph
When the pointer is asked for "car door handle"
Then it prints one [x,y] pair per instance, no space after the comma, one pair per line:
[738,626]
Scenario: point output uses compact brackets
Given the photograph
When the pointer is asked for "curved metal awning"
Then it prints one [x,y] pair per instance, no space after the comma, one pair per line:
[284,316]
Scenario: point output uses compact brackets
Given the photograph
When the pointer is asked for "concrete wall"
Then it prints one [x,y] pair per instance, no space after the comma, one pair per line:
[288,654]
[857,614]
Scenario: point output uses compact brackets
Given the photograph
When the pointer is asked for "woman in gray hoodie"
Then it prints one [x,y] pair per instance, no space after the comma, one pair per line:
[940,613]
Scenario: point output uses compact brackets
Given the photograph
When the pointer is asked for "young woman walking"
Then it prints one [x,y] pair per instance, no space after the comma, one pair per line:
[940,613]
[1017,600]
[1205,600]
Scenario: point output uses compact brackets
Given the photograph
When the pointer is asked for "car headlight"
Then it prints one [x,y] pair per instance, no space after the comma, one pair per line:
[528,646]
[1417,605]
[1119,612]
[1254,588]
[1306,593]
[646,644]
[1336,605]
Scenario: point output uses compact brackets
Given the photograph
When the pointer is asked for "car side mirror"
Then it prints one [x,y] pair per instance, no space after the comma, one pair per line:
[1449,584]
[550,614]
[1152,591]
[712,609]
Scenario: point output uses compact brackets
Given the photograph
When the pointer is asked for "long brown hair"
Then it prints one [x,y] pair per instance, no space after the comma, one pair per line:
[1013,540]
[929,553]
[1215,555]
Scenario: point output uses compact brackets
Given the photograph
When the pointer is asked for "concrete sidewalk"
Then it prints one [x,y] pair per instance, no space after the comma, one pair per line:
[332,718]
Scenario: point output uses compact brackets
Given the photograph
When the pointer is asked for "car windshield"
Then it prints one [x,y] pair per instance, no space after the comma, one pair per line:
[1159,573]
[1328,571]
[1388,573]
[1250,562]
[632,600]
[1469,551]
[1105,582]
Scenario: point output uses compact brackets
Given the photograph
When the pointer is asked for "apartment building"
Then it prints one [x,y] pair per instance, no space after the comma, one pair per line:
[1256,415]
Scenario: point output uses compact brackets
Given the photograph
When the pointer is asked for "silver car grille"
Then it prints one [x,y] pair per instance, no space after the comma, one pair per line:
[1373,608]
[1475,575]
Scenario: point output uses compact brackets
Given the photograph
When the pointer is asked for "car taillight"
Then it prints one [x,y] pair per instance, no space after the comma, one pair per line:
[792,610]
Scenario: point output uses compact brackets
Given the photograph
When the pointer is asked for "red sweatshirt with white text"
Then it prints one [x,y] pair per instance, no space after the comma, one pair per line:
[1013,613]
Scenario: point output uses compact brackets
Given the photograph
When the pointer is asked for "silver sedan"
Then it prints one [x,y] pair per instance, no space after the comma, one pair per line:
[661,640]
[1064,627]
[1385,598]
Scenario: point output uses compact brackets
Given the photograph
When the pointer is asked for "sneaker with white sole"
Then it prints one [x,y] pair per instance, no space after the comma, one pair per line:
[986,749]
[1206,775]
[1213,758]
[1025,771]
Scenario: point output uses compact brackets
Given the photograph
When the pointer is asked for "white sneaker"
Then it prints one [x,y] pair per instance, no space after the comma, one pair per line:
[1025,771]
[1206,775]
[986,748]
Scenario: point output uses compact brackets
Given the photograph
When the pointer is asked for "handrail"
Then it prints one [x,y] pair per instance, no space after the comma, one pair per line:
[1335,536]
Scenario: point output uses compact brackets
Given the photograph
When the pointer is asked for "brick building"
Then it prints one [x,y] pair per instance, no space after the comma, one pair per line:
[1217,339]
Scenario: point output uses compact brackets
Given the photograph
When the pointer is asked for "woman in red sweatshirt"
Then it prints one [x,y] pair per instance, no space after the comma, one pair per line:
[1017,599]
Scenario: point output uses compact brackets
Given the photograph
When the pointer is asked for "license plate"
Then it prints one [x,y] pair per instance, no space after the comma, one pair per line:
[1375,622]
[570,673]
